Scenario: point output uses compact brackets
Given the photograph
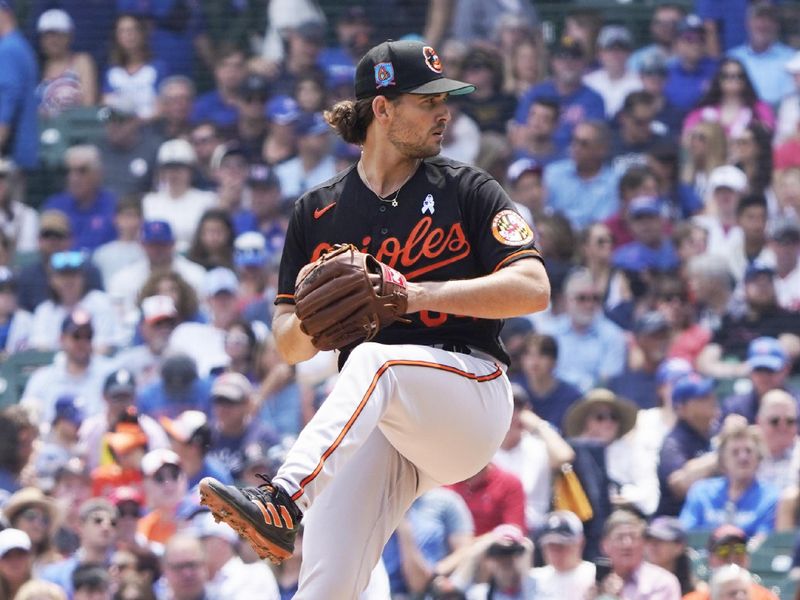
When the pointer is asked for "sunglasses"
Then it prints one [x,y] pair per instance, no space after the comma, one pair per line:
[168,473]
[182,566]
[72,259]
[33,514]
[588,298]
[604,416]
[775,421]
[727,550]
[49,234]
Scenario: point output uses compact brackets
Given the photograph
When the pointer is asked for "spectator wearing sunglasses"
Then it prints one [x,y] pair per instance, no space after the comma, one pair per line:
[55,235]
[728,545]
[97,533]
[777,420]
[591,347]
[88,205]
[75,371]
[68,291]
[165,486]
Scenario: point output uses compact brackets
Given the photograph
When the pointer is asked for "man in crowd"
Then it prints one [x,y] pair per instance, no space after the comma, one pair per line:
[220,106]
[565,574]
[613,80]
[535,138]
[784,243]
[88,205]
[777,420]
[686,455]
[185,567]
[691,70]
[663,31]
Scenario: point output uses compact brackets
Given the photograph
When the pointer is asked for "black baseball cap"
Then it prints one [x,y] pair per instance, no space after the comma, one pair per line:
[404,67]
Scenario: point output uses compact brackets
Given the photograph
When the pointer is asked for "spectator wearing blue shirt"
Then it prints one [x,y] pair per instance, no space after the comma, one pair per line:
[220,106]
[577,101]
[19,76]
[89,207]
[535,138]
[653,72]
[550,396]
[663,31]
[178,389]
[591,348]
[584,188]
[690,71]
[651,250]
[640,384]
[686,455]
[179,34]
[737,497]
[764,56]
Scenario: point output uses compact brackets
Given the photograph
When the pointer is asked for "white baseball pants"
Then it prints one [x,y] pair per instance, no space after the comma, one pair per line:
[400,420]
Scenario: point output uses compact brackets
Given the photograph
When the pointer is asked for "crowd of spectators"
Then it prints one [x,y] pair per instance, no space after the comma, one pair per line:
[660,170]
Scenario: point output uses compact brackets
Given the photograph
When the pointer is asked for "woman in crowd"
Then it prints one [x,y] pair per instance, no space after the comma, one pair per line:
[18,221]
[526,66]
[736,496]
[704,149]
[212,245]
[66,275]
[134,75]
[241,345]
[751,151]
[34,513]
[731,101]
[309,91]
[173,285]
[69,79]
[596,257]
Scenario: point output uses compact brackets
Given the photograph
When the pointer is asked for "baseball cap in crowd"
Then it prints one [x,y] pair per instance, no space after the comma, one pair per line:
[666,529]
[560,527]
[282,110]
[654,63]
[54,222]
[91,578]
[118,108]
[125,438]
[756,268]
[158,308]
[404,67]
[55,20]
[233,387]
[766,353]
[68,408]
[70,260]
[614,36]
[793,66]
[727,176]
[691,386]
[205,526]
[344,151]
[254,86]
[521,166]
[650,323]
[160,457]
[128,500]
[567,47]
[183,427]
[220,280]
[312,31]
[262,175]
[157,232]
[14,539]
[784,231]
[311,124]
[691,24]
[223,151]
[76,320]
[178,372]
[644,206]
[250,250]
[93,505]
[176,152]
[726,534]
[120,382]
[672,369]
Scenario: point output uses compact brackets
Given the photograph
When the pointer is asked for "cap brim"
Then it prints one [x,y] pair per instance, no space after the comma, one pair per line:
[770,363]
[443,86]
[558,538]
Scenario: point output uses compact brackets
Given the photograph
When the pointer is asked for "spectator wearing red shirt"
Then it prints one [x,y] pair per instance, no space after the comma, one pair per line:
[494,497]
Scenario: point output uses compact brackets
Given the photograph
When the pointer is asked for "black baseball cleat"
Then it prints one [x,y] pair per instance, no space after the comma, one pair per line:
[264,515]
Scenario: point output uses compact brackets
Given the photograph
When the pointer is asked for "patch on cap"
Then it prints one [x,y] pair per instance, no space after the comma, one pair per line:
[432,59]
[384,75]
[509,228]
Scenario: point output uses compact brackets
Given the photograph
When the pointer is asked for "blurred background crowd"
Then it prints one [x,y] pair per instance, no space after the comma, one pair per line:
[150,155]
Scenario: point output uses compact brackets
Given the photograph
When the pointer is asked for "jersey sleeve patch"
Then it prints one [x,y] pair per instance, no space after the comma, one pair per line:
[509,228]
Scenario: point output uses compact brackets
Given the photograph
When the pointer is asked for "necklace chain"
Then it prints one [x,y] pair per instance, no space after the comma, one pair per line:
[390,199]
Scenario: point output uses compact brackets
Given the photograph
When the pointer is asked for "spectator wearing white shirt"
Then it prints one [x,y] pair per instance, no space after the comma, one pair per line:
[777,420]
[15,323]
[18,221]
[229,576]
[726,185]
[613,81]
[175,200]
[565,574]
[314,163]
[784,244]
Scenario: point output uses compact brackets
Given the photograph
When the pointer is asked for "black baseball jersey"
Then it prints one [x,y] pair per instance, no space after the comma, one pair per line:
[451,221]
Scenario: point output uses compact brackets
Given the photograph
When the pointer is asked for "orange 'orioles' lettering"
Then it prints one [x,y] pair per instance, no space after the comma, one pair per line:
[424,242]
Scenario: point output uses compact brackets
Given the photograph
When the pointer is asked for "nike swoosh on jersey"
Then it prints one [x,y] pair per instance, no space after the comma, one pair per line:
[318,212]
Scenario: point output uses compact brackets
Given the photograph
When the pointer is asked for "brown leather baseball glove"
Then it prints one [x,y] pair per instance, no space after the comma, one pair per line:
[347,297]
